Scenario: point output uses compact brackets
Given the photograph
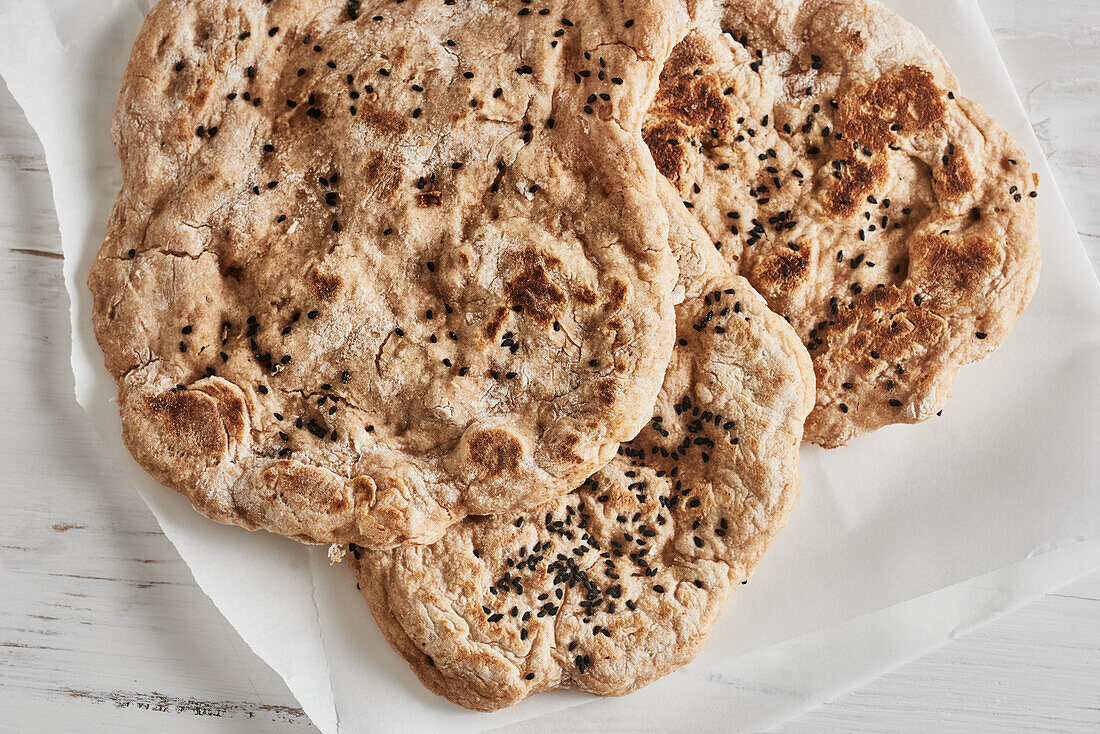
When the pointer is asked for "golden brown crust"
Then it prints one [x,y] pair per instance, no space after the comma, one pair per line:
[369,274]
[823,146]
[619,583]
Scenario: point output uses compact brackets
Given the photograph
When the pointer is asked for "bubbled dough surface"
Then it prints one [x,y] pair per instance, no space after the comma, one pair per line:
[338,220]
[949,254]
[619,583]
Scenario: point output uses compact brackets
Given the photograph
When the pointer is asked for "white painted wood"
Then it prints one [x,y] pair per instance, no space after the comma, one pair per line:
[102,627]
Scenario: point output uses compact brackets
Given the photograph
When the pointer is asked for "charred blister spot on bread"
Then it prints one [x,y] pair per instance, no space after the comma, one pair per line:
[203,32]
[380,177]
[607,391]
[905,102]
[325,286]
[585,295]
[565,450]
[876,337]
[888,321]
[951,268]
[198,96]
[532,290]
[666,140]
[494,452]
[782,271]
[955,177]
[854,41]
[857,179]
[493,325]
[306,488]
[190,418]
[230,270]
[923,327]
[617,294]
[384,122]
[429,199]
[690,54]
[697,101]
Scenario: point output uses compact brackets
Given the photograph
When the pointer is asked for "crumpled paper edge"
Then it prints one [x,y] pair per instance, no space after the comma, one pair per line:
[69,281]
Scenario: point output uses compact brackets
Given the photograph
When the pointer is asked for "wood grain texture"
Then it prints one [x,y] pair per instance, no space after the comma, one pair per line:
[103,628]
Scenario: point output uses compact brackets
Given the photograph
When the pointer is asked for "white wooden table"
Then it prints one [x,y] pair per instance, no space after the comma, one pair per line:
[102,627]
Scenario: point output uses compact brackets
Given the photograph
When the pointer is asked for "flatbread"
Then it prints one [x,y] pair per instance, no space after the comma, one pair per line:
[825,149]
[618,583]
[377,265]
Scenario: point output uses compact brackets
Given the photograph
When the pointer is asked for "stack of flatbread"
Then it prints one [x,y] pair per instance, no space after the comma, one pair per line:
[529,305]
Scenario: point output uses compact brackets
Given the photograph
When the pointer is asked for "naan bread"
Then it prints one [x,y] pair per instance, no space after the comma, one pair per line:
[824,147]
[619,583]
[375,266]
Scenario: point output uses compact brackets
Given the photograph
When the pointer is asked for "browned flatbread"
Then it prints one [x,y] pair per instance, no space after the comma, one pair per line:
[823,146]
[377,265]
[619,583]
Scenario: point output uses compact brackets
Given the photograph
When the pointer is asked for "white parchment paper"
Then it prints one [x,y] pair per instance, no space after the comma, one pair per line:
[1010,472]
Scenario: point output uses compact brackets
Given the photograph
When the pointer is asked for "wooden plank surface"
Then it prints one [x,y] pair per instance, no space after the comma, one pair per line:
[102,627]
